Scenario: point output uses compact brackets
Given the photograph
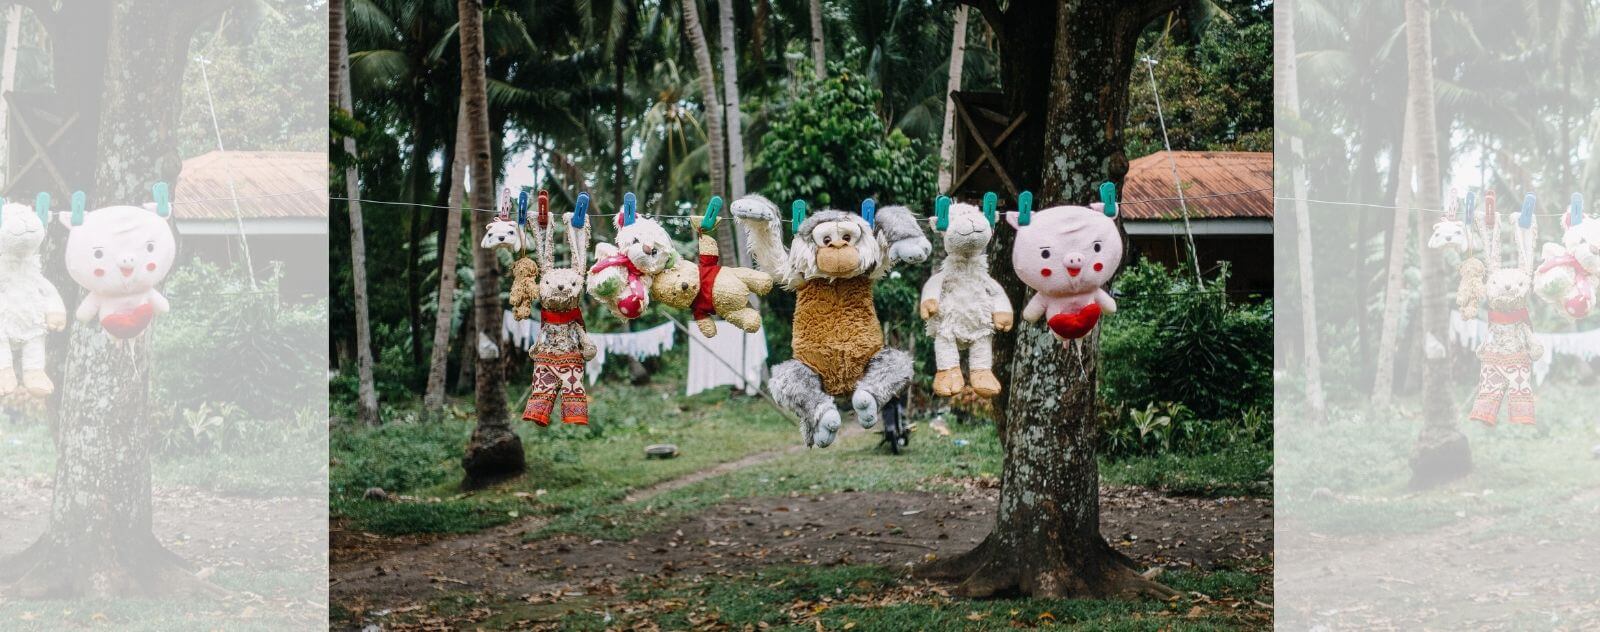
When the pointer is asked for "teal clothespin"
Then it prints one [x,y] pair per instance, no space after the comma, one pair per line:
[1108,197]
[2,211]
[41,205]
[162,196]
[1575,212]
[797,214]
[1024,208]
[941,211]
[580,210]
[629,206]
[77,208]
[1525,219]
[713,208]
[990,200]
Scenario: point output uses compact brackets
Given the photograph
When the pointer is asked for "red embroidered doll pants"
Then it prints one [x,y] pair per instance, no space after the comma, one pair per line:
[1505,378]
[557,374]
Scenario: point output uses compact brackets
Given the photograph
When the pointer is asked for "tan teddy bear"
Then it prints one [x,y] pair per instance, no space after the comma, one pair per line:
[709,288]
[524,287]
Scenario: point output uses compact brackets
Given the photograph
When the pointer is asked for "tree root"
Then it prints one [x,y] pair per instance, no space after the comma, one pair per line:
[138,567]
[959,567]
[986,573]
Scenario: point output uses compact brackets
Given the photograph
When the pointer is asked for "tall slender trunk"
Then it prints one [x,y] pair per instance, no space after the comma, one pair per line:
[339,79]
[730,88]
[1399,245]
[947,139]
[714,121]
[495,451]
[8,78]
[1442,453]
[1283,18]
[618,68]
[420,146]
[439,360]
[819,56]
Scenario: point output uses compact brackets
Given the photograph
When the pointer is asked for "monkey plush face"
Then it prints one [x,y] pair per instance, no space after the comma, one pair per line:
[835,245]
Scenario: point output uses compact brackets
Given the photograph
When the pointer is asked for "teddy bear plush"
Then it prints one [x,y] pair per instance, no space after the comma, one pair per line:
[710,289]
[30,306]
[1452,234]
[564,344]
[1570,270]
[524,287]
[1066,254]
[622,273]
[1506,371]
[832,266]
[963,305]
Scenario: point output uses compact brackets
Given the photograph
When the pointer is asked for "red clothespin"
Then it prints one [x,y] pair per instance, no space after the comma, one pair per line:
[544,208]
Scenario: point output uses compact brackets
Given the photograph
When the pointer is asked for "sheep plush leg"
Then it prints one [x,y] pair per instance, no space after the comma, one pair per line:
[8,377]
[887,374]
[947,358]
[799,390]
[34,379]
[980,357]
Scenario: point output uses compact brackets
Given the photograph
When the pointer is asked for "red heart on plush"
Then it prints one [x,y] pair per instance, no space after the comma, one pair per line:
[1076,324]
[129,322]
[631,306]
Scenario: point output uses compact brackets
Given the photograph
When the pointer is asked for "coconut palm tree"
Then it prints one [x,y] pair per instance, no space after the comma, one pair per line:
[339,89]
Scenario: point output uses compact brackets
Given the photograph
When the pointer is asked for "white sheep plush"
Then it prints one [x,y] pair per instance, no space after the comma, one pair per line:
[30,306]
[963,305]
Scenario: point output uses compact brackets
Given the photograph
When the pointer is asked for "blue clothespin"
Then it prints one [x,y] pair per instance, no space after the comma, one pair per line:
[522,207]
[162,196]
[629,204]
[797,214]
[1108,197]
[1525,219]
[713,208]
[990,200]
[1024,208]
[580,210]
[941,211]
[1471,206]
[869,211]
[1575,212]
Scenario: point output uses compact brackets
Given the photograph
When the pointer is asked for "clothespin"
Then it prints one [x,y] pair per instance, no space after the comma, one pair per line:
[989,202]
[544,208]
[1575,211]
[797,214]
[522,207]
[1471,207]
[580,210]
[159,192]
[1024,208]
[869,211]
[2,207]
[77,209]
[941,211]
[629,204]
[713,208]
[1452,204]
[1108,197]
[1525,219]
[504,210]
[41,205]
[1488,208]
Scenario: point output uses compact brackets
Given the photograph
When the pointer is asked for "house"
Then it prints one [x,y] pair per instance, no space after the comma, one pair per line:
[277,201]
[1229,200]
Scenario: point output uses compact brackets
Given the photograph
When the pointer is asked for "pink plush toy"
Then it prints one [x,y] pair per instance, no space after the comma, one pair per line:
[1066,253]
[119,254]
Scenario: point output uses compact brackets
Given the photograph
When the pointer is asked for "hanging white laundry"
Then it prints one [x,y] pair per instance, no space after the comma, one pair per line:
[733,357]
[649,343]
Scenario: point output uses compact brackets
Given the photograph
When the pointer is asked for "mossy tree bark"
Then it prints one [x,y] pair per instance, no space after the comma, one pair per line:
[1046,541]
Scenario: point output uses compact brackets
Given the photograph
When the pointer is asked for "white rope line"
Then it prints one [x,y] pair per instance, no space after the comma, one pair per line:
[1417,209]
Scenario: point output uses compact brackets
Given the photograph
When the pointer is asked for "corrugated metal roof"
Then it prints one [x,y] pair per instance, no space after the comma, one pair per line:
[1216,184]
[269,185]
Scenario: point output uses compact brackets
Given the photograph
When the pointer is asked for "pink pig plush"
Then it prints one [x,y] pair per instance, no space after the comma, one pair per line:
[119,254]
[1066,253]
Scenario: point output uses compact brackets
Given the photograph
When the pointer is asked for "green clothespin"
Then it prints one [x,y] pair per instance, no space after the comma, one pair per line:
[77,208]
[163,199]
[941,212]
[1024,208]
[713,208]
[989,202]
[1108,196]
[797,214]
[41,205]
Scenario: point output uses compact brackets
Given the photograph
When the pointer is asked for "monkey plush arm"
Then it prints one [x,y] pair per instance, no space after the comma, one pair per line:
[759,217]
[899,232]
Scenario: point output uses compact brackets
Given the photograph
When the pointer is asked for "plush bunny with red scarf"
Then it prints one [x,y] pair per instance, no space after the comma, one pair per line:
[564,344]
[1506,371]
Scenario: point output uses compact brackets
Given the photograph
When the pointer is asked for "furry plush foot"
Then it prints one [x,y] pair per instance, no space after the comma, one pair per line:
[827,428]
[8,380]
[37,383]
[948,382]
[866,408]
[708,327]
[984,383]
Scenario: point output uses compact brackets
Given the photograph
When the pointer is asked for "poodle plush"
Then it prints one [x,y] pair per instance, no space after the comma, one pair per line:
[710,289]
[524,287]
[1506,371]
[963,305]
[1452,234]
[504,234]
[1066,254]
[622,273]
[30,306]
[1570,270]
[119,254]
[831,266]
[564,345]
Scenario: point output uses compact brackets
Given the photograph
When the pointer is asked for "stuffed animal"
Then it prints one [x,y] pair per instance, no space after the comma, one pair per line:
[710,289]
[1452,234]
[504,234]
[524,287]
[831,266]
[30,306]
[1506,371]
[564,345]
[1066,254]
[621,276]
[1570,270]
[963,305]
[119,254]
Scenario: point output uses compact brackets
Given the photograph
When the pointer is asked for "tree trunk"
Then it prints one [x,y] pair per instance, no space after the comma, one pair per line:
[713,106]
[819,56]
[1289,76]
[339,84]
[100,542]
[947,140]
[421,146]
[1442,453]
[1399,245]
[495,452]
[730,88]
[8,76]
[433,399]
[1046,541]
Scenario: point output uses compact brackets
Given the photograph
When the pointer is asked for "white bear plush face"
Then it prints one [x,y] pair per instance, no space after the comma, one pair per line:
[119,251]
[21,231]
[647,245]
[1583,243]
[502,235]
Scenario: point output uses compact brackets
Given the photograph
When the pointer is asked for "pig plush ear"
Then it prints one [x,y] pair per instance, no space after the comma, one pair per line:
[1014,219]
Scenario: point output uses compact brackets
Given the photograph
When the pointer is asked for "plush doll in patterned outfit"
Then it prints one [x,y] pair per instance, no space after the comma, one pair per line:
[963,305]
[564,345]
[1506,374]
